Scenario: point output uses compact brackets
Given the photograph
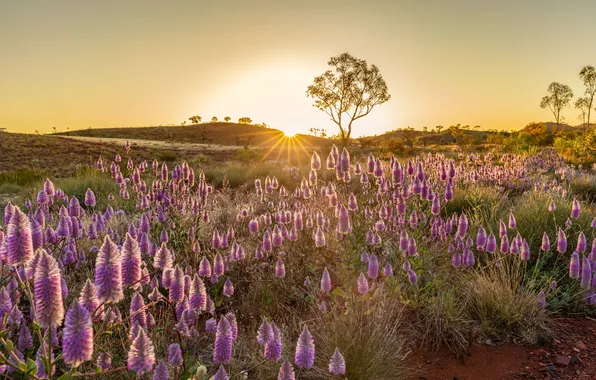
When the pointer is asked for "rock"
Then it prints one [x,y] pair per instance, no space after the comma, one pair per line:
[579,344]
[562,360]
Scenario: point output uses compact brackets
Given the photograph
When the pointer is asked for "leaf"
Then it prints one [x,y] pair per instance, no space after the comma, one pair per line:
[31,367]
[338,292]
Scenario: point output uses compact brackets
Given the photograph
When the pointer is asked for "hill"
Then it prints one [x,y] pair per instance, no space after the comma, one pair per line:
[222,133]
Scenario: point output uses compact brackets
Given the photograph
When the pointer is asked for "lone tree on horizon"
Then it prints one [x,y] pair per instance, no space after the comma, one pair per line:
[588,76]
[559,98]
[348,92]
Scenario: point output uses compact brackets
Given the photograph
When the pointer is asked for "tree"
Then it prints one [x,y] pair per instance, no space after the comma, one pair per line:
[439,128]
[195,119]
[559,98]
[588,76]
[227,119]
[245,120]
[349,92]
[583,105]
[214,119]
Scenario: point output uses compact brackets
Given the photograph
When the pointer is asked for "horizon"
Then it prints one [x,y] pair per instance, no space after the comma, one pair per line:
[86,65]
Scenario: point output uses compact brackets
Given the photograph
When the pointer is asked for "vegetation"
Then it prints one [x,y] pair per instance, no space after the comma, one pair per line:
[349,92]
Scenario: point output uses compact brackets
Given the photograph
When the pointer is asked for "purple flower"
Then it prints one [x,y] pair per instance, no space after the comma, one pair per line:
[25,340]
[221,374]
[88,297]
[373,267]
[541,299]
[280,268]
[222,352]
[210,326]
[228,289]
[141,356]
[161,371]
[388,270]
[104,361]
[325,281]
[176,289]
[198,294]
[137,310]
[481,238]
[586,275]
[265,333]
[343,223]
[273,348]
[205,268]
[77,342]
[337,364]
[561,241]
[175,354]
[286,371]
[49,308]
[305,350]
[131,262]
[89,198]
[581,243]
[545,246]
[362,284]
[18,241]
[574,265]
[512,222]
[108,272]
[575,209]
[462,226]
[219,267]
[163,258]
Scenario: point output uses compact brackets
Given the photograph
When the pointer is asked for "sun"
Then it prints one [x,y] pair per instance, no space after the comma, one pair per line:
[290,131]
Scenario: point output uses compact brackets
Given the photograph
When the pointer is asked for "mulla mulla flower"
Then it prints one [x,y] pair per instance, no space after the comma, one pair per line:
[77,341]
[221,374]
[574,265]
[88,297]
[141,356]
[575,209]
[49,307]
[131,262]
[337,364]
[265,333]
[161,371]
[163,258]
[18,243]
[362,284]
[586,275]
[305,350]
[273,348]
[90,200]
[176,288]
[175,354]
[197,298]
[286,371]
[325,281]
[137,310]
[280,268]
[108,272]
[222,350]
[228,289]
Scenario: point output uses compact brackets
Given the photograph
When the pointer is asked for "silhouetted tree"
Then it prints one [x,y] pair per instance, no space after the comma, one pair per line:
[560,96]
[439,128]
[348,93]
[588,76]
[214,119]
[583,105]
[227,119]
[245,120]
[195,119]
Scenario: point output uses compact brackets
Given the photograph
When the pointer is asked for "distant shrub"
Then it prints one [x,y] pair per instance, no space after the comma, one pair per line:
[584,187]
[22,177]
[167,156]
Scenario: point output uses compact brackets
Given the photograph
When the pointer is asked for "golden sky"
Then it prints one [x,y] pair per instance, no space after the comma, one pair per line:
[80,64]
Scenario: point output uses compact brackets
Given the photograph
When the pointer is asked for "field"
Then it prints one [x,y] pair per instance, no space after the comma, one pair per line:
[251,255]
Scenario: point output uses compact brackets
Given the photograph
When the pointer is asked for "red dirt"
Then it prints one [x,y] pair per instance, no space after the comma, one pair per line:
[568,356]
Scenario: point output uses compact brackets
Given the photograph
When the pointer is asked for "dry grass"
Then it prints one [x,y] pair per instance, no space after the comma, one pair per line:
[498,300]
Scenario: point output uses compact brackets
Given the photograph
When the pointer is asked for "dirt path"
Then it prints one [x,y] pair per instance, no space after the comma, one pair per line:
[568,357]
[179,146]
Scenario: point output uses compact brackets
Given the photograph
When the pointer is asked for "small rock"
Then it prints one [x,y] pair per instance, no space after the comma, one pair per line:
[562,360]
[557,341]
[579,344]
[576,349]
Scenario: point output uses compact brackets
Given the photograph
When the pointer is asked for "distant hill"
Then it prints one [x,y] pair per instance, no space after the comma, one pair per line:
[221,133]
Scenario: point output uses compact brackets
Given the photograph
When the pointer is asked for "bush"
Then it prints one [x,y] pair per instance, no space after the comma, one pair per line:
[497,298]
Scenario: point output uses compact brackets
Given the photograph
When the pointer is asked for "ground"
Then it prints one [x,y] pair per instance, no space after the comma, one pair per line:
[569,356]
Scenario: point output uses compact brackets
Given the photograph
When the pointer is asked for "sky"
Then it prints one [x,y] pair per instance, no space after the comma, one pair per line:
[90,64]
